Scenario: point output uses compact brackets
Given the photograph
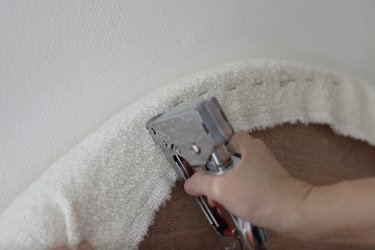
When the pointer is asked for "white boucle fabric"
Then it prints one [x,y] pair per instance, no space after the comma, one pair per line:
[107,189]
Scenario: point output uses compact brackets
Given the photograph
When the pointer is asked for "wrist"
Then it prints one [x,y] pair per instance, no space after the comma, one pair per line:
[287,214]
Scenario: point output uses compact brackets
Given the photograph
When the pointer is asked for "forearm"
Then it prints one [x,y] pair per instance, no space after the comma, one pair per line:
[342,212]
[260,190]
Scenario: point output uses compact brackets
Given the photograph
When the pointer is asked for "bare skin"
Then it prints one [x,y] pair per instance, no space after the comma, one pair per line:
[260,190]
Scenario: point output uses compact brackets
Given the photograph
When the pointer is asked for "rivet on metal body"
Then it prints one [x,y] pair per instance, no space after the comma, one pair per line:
[195,149]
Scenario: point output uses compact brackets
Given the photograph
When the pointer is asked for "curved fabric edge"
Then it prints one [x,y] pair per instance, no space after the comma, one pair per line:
[107,189]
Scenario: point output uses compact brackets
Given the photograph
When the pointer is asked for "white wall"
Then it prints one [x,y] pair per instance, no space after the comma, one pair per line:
[68,66]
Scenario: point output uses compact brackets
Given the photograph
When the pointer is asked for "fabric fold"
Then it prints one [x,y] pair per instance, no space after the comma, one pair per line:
[107,189]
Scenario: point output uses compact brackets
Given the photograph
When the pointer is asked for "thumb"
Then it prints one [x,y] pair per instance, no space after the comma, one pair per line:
[199,184]
[240,142]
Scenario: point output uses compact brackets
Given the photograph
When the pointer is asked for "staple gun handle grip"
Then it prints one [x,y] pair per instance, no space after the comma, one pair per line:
[247,236]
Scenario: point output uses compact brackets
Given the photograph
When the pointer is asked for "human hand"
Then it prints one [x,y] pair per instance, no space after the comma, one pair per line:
[257,189]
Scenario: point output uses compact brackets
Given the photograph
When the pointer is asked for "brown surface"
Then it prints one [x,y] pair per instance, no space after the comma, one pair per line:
[312,153]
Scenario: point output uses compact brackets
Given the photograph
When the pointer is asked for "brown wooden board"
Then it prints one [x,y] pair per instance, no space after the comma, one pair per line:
[313,153]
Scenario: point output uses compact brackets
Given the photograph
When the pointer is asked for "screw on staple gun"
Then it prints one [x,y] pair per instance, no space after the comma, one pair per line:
[193,138]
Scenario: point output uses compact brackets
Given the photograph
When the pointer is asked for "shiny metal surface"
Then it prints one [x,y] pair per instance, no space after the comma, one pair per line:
[193,138]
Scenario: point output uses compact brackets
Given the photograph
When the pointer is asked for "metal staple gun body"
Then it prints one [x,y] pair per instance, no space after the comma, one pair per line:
[193,138]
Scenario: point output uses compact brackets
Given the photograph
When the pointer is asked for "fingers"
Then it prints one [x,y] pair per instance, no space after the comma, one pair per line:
[199,184]
[204,184]
[240,143]
[211,202]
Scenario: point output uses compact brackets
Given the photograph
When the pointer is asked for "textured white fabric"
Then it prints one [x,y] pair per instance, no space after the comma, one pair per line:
[107,189]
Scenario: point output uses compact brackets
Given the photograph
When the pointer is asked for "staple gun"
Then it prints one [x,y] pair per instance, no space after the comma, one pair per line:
[193,138]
